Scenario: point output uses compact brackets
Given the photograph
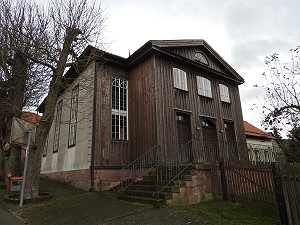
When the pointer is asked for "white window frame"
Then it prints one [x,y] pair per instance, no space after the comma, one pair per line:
[119,118]
[73,116]
[204,86]
[57,126]
[224,93]
[179,77]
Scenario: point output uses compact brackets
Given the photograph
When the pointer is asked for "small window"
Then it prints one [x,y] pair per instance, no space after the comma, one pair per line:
[57,126]
[204,87]
[73,116]
[179,77]
[267,157]
[257,155]
[224,93]
[45,147]
[200,58]
[208,123]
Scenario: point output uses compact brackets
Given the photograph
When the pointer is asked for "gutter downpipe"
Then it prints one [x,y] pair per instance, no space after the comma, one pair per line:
[94,132]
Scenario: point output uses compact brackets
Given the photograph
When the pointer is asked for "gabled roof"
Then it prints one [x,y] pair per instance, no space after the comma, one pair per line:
[251,130]
[162,46]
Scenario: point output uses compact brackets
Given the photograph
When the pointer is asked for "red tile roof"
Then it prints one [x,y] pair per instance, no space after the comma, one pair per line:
[251,130]
[30,117]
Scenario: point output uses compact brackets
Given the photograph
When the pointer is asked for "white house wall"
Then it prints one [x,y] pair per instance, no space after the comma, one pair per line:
[79,156]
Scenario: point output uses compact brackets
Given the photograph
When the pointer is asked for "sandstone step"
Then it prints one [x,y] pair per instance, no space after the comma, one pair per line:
[144,200]
[150,194]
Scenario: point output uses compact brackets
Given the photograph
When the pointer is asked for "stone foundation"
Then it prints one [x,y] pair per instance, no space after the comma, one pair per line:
[194,188]
[104,179]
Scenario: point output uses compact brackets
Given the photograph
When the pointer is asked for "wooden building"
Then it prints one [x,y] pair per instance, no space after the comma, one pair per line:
[166,93]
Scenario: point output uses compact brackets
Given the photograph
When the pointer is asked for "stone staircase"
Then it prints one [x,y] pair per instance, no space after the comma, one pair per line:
[145,191]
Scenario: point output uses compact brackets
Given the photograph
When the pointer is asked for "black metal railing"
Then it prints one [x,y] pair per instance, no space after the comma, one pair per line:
[173,166]
[138,168]
[194,152]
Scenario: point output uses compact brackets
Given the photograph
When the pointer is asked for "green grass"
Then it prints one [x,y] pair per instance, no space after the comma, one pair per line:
[232,213]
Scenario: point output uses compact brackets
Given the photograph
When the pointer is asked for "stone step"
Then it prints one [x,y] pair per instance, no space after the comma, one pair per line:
[171,189]
[144,200]
[150,194]
[185,177]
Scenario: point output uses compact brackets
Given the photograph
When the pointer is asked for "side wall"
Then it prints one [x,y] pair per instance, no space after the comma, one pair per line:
[142,114]
[76,158]
[108,153]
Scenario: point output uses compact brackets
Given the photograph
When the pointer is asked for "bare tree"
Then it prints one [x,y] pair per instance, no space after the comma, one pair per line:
[74,24]
[282,106]
[37,44]
[21,80]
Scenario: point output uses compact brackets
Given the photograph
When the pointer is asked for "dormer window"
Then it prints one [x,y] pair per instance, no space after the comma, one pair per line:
[200,58]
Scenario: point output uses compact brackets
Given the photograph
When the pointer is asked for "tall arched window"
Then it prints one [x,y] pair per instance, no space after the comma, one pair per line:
[119,109]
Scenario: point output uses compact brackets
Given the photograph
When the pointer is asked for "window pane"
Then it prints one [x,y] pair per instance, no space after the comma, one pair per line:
[57,126]
[73,116]
[119,122]
[179,77]
[224,93]
[204,87]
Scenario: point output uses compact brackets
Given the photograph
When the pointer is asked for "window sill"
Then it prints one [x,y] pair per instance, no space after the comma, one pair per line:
[119,141]
[178,89]
[207,97]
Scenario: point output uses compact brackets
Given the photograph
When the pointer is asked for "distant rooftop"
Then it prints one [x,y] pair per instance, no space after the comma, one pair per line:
[251,130]
[31,117]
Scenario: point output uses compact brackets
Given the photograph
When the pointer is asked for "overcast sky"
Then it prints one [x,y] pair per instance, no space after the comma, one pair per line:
[243,32]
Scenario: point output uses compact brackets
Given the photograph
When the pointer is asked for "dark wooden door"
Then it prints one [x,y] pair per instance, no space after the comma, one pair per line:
[183,128]
[210,139]
[230,145]
[184,136]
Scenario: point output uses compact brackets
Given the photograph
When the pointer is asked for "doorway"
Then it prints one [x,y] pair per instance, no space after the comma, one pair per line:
[184,136]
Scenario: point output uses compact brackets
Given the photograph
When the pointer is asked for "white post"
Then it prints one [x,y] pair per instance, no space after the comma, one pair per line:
[25,168]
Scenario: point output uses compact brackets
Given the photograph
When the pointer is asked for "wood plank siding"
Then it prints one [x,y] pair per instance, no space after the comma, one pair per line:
[142,108]
[108,152]
[170,100]
[154,103]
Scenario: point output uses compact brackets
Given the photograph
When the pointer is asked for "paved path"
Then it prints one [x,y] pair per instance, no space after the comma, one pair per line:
[8,219]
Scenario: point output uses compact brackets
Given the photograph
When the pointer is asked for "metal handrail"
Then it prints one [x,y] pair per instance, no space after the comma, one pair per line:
[138,168]
[173,166]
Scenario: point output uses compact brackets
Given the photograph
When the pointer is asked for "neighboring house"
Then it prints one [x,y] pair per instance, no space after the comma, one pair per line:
[31,117]
[165,94]
[261,145]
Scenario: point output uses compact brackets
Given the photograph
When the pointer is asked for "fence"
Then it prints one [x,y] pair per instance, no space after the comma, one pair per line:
[272,186]
[290,178]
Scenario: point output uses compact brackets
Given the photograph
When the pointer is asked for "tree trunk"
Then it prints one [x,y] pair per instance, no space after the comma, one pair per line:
[35,156]
[11,159]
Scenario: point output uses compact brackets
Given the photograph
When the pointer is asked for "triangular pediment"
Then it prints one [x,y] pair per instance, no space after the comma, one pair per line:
[199,52]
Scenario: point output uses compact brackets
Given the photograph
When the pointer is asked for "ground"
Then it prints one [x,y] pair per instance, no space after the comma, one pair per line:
[73,206]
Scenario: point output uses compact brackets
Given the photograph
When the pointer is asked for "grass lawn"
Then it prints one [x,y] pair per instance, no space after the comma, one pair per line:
[232,213]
